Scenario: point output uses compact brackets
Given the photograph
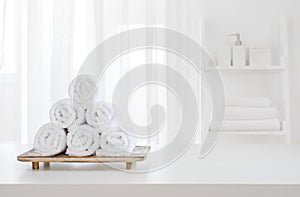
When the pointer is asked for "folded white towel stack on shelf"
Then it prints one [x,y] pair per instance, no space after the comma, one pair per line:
[250,125]
[249,102]
[250,114]
[77,125]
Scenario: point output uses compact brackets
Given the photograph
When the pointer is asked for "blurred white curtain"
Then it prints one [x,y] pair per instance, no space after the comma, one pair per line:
[61,33]
[38,62]
[54,38]
[116,16]
[9,72]
[2,29]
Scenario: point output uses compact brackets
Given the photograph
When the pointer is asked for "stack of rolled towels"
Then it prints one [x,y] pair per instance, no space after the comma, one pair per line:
[249,114]
[81,127]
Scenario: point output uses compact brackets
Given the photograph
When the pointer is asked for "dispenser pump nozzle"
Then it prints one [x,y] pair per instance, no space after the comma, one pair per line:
[238,41]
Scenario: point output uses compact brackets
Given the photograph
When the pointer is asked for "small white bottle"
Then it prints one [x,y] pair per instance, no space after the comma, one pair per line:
[224,56]
[238,52]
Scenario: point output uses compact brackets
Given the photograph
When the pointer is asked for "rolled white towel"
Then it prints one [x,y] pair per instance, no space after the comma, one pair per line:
[249,102]
[110,127]
[116,143]
[64,114]
[250,125]
[83,140]
[50,140]
[100,116]
[82,90]
[250,113]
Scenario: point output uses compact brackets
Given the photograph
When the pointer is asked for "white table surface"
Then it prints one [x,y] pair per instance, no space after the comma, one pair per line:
[230,164]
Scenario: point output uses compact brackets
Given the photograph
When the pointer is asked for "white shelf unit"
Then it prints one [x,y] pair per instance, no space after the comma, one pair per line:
[279,71]
[259,133]
[266,68]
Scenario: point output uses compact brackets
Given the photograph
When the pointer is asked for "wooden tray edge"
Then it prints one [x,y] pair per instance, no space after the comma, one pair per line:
[84,159]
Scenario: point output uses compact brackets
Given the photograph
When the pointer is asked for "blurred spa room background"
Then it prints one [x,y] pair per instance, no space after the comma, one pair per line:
[44,43]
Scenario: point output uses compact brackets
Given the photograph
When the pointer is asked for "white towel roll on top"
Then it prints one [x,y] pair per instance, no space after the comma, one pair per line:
[82,90]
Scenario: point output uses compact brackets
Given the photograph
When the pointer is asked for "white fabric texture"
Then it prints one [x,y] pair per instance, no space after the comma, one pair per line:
[250,113]
[116,142]
[83,140]
[82,90]
[112,126]
[64,113]
[250,125]
[80,115]
[249,102]
[100,116]
[50,140]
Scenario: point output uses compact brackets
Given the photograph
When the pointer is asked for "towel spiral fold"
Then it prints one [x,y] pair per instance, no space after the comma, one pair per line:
[83,140]
[50,140]
[64,113]
[116,142]
[82,90]
[100,116]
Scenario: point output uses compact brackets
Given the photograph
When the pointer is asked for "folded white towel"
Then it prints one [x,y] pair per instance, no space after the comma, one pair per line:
[82,90]
[116,142]
[64,114]
[250,113]
[83,140]
[250,125]
[50,140]
[249,102]
[100,116]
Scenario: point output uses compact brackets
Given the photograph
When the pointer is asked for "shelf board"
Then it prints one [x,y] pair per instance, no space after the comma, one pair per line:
[272,68]
[281,132]
[260,133]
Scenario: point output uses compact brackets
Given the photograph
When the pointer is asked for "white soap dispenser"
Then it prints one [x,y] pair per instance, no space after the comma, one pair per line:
[238,51]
